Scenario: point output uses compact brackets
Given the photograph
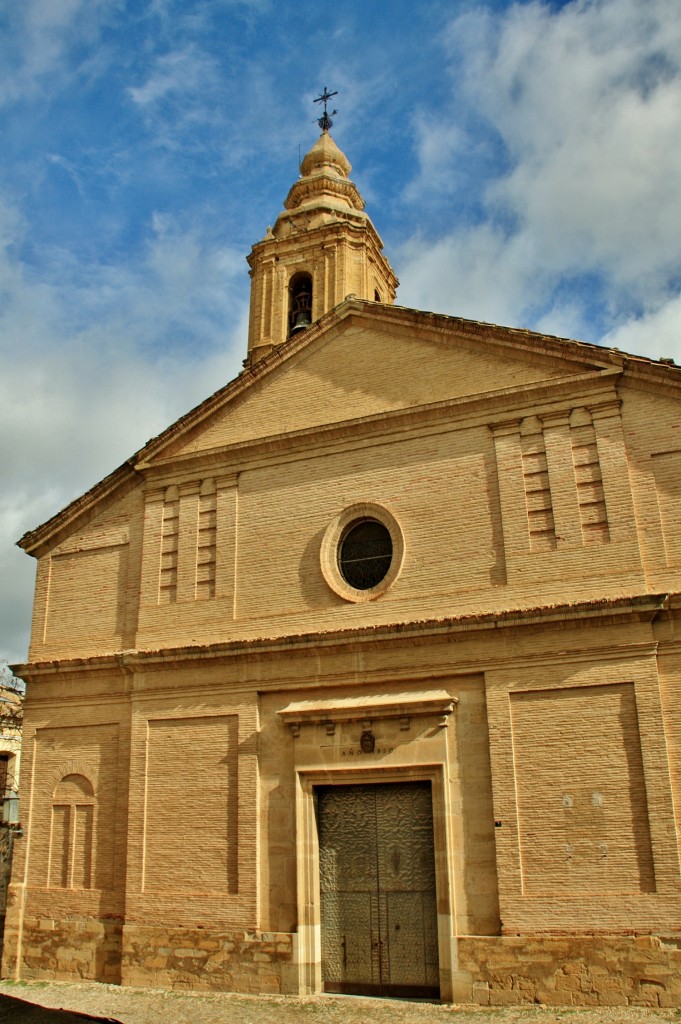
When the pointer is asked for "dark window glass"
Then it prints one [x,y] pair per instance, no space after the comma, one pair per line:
[365,554]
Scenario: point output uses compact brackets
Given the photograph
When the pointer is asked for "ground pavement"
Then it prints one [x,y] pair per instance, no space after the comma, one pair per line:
[67,1003]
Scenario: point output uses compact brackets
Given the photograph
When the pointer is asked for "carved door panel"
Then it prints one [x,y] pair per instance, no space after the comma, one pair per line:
[377,886]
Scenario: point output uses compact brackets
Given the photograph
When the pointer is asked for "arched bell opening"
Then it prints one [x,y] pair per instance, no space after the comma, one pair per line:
[300,303]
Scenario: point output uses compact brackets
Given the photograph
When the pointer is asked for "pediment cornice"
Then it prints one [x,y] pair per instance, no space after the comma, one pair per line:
[485,409]
[587,366]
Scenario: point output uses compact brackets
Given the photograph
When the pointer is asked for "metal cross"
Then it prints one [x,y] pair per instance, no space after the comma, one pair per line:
[325,121]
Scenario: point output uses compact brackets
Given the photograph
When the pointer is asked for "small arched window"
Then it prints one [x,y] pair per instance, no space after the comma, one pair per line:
[300,303]
[73,811]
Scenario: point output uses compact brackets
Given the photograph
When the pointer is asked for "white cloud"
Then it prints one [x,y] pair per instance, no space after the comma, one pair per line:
[439,155]
[39,42]
[656,334]
[186,71]
[91,371]
[595,133]
[586,102]
[478,273]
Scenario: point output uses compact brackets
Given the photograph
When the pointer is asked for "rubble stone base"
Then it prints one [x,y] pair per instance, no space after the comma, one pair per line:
[556,970]
[70,950]
[597,970]
[157,956]
[181,958]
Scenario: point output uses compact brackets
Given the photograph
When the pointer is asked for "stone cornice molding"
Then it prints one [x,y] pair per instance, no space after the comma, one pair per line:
[79,512]
[318,185]
[359,227]
[460,412]
[367,709]
[637,608]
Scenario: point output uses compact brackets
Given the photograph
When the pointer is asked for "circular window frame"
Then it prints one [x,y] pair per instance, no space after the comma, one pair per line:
[338,529]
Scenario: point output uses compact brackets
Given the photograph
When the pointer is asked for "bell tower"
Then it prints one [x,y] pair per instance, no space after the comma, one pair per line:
[322,248]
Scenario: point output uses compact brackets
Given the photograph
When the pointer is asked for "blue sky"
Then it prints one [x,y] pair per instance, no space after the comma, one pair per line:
[522,162]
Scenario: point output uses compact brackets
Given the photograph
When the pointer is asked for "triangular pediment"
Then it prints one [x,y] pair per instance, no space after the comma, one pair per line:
[374,362]
[364,361]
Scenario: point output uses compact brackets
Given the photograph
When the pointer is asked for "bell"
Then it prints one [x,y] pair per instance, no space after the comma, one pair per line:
[301,311]
[301,320]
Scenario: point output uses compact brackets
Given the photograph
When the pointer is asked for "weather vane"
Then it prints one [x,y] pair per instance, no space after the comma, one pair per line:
[325,121]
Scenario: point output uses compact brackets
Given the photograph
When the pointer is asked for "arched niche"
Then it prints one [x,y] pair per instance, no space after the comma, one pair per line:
[300,302]
[71,833]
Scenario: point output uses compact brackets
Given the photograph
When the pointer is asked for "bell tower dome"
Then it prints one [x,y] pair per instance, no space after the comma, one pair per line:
[322,248]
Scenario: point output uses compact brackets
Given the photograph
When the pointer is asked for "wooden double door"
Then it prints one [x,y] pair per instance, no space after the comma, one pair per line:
[377,886]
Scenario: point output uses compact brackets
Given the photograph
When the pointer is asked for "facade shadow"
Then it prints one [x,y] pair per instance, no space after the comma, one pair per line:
[19,1011]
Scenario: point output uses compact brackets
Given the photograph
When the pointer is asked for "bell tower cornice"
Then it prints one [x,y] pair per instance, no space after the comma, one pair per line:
[322,248]
[309,192]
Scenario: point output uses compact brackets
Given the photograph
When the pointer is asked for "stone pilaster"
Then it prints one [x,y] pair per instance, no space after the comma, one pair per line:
[511,489]
[564,498]
[612,456]
[225,567]
[151,547]
[188,542]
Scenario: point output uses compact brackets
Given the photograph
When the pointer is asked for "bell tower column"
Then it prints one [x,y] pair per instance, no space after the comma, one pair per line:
[330,296]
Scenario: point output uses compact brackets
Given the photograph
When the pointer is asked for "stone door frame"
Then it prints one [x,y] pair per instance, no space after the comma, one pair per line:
[308,945]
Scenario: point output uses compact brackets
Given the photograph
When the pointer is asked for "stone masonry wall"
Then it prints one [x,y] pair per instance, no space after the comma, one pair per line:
[106,951]
[595,970]
[71,950]
[234,961]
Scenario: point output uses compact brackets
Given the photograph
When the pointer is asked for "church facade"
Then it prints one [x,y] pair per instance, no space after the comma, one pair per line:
[365,675]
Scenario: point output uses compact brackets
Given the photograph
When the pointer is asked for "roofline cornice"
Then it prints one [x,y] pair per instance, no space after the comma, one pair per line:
[636,608]
[316,185]
[36,542]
